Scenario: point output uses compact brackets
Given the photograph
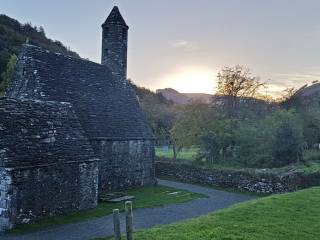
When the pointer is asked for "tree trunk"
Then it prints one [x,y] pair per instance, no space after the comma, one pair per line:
[174,151]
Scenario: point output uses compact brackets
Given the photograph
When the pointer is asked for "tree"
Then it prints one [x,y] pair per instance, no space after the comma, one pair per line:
[193,119]
[288,141]
[236,83]
[8,74]
[42,32]
[288,93]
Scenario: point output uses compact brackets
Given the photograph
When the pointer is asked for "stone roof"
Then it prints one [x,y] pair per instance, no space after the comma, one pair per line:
[106,105]
[40,133]
[115,18]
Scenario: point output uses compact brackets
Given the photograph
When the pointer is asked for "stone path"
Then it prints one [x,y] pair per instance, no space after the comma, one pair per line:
[143,218]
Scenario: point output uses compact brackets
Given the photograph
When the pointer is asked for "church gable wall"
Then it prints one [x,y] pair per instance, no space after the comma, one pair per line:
[125,163]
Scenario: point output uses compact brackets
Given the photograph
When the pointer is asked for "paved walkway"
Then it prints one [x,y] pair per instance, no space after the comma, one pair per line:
[143,218]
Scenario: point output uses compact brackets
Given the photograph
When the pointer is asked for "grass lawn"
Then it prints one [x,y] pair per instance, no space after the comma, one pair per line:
[185,154]
[293,216]
[312,164]
[144,197]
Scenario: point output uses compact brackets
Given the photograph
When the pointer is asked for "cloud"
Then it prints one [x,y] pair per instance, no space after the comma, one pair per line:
[185,45]
[281,81]
[180,43]
[295,79]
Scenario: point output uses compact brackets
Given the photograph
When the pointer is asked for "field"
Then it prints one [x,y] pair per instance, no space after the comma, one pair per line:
[144,198]
[185,154]
[281,217]
[311,164]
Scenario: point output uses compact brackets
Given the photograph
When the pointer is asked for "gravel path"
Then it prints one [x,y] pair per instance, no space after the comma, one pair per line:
[143,218]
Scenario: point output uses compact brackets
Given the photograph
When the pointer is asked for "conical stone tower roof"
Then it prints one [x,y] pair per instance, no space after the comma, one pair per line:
[115,18]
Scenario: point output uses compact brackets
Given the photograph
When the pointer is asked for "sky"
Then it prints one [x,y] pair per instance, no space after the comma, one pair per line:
[183,44]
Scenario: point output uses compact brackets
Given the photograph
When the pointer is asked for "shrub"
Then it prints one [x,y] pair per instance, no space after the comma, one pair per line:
[288,143]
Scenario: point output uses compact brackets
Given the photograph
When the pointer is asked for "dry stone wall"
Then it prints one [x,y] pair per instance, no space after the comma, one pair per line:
[258,181]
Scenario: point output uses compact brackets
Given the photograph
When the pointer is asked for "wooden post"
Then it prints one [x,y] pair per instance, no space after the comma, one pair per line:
[116,224]
[129,227]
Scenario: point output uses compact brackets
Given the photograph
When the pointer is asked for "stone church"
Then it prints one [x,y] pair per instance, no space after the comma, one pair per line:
[69,129]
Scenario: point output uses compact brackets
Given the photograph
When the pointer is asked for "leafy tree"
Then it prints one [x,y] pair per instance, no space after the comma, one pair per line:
[8,74]
[288,141]
[160,113]
[13,34]
[310,116]
[210,147]
[252,141]
[193,119]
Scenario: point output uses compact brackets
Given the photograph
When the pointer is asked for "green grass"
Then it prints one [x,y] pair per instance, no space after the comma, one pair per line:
[311,155]
[185,154]
[312,165]
[293,216]
[144,197]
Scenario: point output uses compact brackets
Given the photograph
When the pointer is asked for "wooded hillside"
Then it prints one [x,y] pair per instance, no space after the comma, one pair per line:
[13,34]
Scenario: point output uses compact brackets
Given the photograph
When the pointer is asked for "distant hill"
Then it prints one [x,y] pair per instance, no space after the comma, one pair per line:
[13,34]
[184,98]
[309,91]
[305,97]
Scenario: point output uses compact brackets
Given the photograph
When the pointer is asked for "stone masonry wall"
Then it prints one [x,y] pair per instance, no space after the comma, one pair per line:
[125,164]
[47,165]
[5,199]
[38,192]
[258,182]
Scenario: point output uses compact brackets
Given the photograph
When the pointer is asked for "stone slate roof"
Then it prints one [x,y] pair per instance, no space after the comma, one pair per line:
[106,105]
[40,133]
[115,18]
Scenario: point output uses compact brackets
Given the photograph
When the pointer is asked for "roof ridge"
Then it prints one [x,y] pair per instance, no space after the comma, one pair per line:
[44,50]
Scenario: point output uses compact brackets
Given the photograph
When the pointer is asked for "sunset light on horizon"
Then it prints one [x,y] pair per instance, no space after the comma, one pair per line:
[190,79]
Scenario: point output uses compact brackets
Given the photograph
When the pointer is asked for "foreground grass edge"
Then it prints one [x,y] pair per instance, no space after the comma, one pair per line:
[283,216]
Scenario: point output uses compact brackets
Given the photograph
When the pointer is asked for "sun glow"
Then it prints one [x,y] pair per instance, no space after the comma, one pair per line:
[191,80]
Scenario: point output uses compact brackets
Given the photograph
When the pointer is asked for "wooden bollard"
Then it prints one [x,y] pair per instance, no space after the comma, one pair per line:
[116,224]
[129,227]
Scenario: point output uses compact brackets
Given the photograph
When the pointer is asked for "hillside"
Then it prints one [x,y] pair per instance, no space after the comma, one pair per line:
[13,34]
[184,98]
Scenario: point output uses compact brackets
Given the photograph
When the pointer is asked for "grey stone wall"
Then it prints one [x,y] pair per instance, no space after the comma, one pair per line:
[36,192]
[255,181]
[5,199]
[47,165]
[125,163]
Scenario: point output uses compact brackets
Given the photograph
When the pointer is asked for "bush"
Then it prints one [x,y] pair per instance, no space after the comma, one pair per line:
[288,143]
